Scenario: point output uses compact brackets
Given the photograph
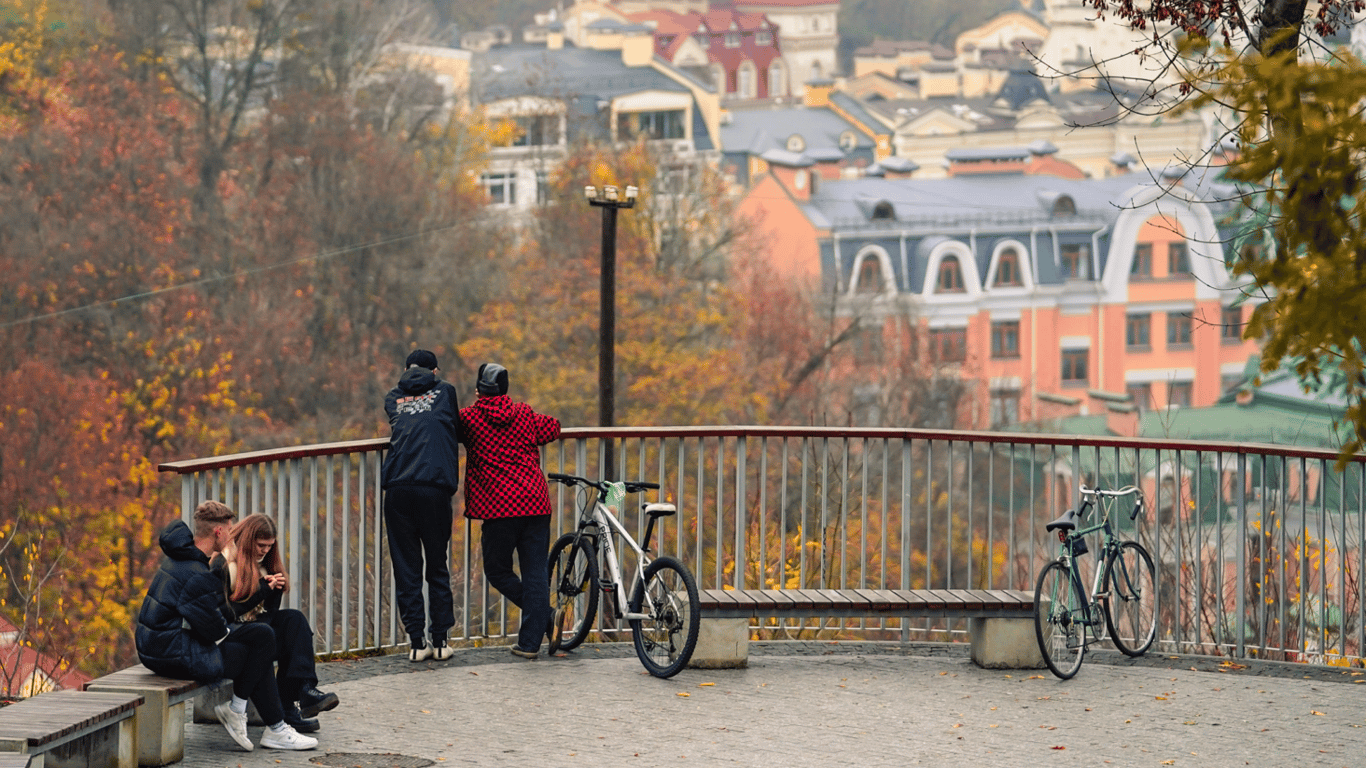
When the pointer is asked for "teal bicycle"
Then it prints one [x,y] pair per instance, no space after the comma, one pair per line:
[1123,590]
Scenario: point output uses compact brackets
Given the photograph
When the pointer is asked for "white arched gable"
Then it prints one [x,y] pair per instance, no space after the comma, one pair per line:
[884,269]
[972,282]
[1206,254]
[1026,266]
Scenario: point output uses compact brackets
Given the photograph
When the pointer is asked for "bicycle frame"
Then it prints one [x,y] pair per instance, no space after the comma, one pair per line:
[606,523]
[1109,544]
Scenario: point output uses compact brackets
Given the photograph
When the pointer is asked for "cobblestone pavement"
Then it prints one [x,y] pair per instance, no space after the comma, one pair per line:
[821,704]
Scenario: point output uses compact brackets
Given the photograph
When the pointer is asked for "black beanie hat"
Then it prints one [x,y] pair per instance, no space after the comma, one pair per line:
[421,358]
[492,379]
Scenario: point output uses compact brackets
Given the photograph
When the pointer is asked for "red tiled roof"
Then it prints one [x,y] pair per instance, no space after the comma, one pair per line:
[18,664]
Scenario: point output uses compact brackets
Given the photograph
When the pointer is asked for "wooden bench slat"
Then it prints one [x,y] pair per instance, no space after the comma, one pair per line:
[48,717]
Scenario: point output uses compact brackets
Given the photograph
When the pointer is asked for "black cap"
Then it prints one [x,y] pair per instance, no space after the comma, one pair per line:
[492,379]
[421,358]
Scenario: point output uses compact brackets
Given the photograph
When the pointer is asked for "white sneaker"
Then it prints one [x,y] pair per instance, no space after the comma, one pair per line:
[287,739]
[419,654]
[235,723]
[441,652]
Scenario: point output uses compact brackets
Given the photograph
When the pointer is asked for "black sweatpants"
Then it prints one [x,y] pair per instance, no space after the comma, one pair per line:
[417,519]
[248,655]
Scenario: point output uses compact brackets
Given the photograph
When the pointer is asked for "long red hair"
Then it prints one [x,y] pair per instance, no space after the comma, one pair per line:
[245,534]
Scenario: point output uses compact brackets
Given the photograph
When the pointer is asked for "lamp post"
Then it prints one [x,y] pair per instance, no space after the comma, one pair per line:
[610,200]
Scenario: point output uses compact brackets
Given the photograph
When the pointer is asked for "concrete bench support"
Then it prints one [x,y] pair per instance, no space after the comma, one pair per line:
[1001,622]
[160,719]
[72,729]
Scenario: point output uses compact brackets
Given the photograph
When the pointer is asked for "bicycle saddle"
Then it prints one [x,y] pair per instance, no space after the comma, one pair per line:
[660,510]
[1068,522]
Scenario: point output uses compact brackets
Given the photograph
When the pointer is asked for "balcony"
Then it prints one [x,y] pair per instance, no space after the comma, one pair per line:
[1258,547]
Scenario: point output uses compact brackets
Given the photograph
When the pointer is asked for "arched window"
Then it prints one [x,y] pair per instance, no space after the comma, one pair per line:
[869,276]
[1007,269]
[950,276]
[777,82]
[884,210]
[745,86]
[1064,206]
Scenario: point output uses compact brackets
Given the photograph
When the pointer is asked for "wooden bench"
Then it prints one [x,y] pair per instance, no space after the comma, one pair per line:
[160,719]
[66,729]
[1000,621]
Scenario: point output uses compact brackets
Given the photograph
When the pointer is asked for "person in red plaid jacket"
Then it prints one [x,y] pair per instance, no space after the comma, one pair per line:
[504,487]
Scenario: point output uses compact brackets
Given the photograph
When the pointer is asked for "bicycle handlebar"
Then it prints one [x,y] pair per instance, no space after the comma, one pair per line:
[1125,491]
[632,486]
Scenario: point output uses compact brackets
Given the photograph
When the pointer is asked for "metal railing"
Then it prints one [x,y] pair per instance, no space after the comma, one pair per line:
[1259,548]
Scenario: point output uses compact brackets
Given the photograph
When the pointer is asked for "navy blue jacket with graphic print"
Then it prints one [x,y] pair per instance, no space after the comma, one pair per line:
[424,426]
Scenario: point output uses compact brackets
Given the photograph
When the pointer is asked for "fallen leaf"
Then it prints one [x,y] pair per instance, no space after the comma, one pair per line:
[1169,762]
[425,711]
[1059,747]
[684,694]
[702,685]
[1316,712]
[993,725]
[1160,698]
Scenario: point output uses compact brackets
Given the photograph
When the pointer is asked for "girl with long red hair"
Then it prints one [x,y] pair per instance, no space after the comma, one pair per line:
[255,581]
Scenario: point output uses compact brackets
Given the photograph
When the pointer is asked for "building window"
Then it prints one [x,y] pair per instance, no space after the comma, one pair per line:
[950,276]
[1141,395]
[542,188]
[665,124]
[948,345]
[1178,329]
[883,211]
[763,37]
[732,39]
[1074,366]
[537,131]
[1143,261]
[1179,394]
[1231,325]
[703,40]
[1007,269]
[1178,259]
[1076,262]
[500,187]
[1005,407]
[1005,338]
[869,276]
[1064,206]
[777,83]
[745,85]
[868,346]
[1138,331]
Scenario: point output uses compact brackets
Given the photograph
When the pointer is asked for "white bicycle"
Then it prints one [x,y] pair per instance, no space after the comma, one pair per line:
[663,609]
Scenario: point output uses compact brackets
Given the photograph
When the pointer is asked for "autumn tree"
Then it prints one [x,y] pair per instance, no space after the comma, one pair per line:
[1289,102]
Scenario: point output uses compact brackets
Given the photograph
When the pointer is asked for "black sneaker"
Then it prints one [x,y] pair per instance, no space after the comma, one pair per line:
[312,701]
[298,722]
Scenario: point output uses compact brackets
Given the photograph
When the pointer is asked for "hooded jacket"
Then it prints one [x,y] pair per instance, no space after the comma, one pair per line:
[424,426]
[502,458]
[183,618]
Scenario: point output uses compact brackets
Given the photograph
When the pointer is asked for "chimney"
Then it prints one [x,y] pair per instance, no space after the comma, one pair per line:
[638,49]
[818,93]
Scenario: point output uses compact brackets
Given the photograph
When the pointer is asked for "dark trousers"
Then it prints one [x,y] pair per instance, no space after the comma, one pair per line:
[248,655]
[418,521]
[529,537]
[295,665]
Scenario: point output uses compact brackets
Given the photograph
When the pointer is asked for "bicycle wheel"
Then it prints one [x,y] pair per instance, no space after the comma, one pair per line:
[573,590]
[665,641]
[1131,604]
[1057,620]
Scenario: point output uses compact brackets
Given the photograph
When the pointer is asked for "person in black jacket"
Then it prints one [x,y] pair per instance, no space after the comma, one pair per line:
[184,632]
[254,578]
[420,475]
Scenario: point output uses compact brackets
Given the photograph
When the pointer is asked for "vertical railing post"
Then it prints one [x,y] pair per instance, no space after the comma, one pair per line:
[741,518]
[295,527]
[1241,588]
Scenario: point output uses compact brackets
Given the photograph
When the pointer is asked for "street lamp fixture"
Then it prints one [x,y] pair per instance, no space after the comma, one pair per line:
[610,199]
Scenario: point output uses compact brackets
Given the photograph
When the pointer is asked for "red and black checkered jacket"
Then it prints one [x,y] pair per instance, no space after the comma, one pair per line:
[502,458]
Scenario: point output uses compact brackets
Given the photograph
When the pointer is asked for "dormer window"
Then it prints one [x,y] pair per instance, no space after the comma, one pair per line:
[1007,270]
[702,40]
[763,37]
[884,211]
[1076,262]
[950,276]
[732,39]
[869,276]
[1064,206]
[795,143]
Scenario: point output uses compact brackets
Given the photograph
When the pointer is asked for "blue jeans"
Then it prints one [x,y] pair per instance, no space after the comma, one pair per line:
[529,537]
[417,519]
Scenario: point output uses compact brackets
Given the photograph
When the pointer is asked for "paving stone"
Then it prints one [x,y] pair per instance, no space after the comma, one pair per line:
[817,703]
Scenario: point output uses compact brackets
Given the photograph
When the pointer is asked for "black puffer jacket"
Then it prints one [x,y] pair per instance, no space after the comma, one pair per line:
[182,618]
[424,440]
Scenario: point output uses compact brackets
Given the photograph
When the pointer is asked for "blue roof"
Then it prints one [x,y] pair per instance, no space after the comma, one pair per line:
[534,70]
[755,131]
